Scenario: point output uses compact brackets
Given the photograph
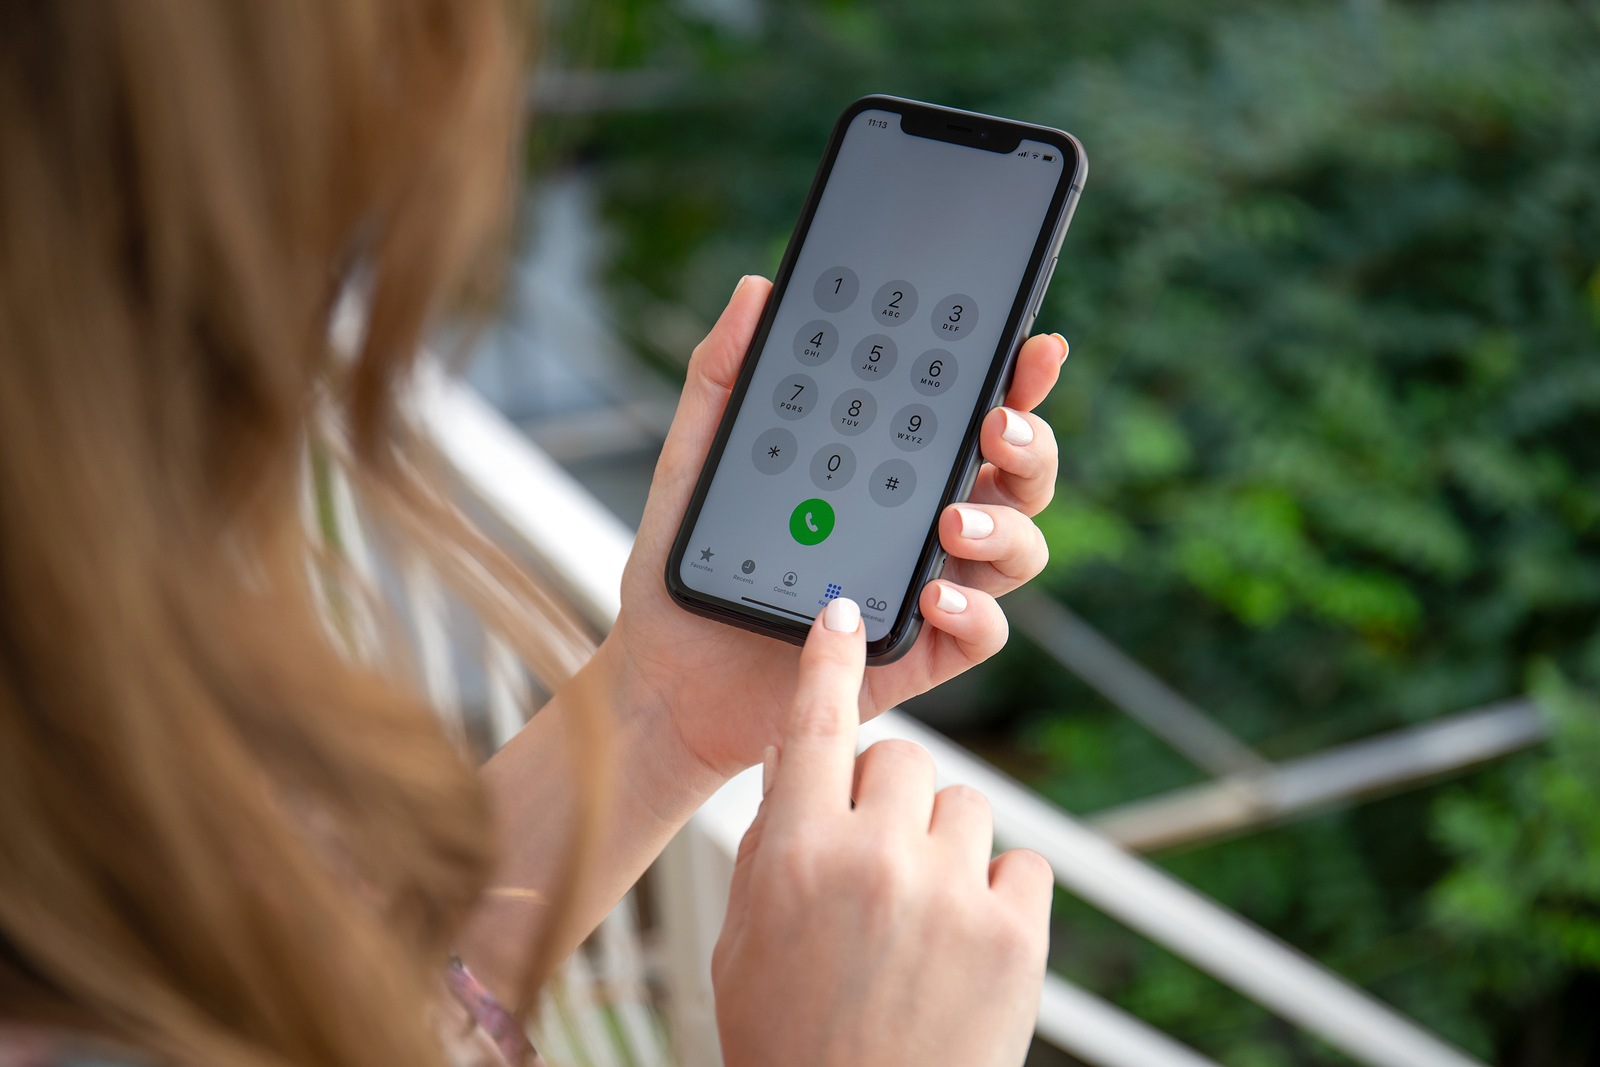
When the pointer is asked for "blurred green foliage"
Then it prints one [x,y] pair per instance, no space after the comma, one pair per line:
[1330,433]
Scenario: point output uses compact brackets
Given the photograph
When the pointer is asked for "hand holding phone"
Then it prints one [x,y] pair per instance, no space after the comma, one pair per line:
[880,933]
[915,272]
[705,698]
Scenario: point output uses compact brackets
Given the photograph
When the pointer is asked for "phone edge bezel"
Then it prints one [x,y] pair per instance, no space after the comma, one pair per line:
[908,623]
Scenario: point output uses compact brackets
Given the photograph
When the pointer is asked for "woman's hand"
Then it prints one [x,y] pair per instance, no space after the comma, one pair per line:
[881,933]
[696,701]
[722,691]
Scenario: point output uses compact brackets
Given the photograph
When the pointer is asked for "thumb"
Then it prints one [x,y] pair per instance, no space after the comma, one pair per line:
[713,368]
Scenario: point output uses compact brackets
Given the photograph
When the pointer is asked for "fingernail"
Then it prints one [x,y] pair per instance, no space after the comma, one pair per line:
[1066,349]
[842,615]
[975,524]
[769,768]
[742,280]
[1016,429]
[951,600]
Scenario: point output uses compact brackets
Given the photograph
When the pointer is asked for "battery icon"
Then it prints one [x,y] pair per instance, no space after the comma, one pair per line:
[1049,159]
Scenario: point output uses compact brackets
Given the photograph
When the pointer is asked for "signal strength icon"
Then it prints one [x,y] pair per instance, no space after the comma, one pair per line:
[1024,155]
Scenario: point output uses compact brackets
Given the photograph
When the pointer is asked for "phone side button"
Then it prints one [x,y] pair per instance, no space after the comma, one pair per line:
[1038,303]
[968,480]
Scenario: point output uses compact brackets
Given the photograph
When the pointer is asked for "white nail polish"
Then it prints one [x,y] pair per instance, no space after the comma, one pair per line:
[951,600]
[975,524]
[1016,429]
[842,615]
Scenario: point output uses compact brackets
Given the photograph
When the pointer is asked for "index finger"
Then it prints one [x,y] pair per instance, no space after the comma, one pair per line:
[819,739]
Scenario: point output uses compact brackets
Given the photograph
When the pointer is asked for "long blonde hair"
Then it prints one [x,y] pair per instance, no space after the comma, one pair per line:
[220,841]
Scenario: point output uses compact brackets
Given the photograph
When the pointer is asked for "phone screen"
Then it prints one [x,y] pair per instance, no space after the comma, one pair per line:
[873,369]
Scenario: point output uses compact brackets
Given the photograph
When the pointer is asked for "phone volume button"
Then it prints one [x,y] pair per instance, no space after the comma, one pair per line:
[1044,287]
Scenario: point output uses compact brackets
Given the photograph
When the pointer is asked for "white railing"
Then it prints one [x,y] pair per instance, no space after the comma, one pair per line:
[583,548]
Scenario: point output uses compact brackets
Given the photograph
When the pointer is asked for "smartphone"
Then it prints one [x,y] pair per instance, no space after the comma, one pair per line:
[913,276]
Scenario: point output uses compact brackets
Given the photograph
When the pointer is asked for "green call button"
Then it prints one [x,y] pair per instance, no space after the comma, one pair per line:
[811,521]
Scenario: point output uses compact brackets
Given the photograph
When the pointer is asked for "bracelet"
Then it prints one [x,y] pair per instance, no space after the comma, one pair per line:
[494,1020]
[509,892]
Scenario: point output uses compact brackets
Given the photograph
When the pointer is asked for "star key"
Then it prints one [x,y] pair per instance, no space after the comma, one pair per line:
[705,555]
[773,451]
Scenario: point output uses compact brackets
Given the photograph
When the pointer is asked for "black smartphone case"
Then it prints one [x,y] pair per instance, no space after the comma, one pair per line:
[960,127]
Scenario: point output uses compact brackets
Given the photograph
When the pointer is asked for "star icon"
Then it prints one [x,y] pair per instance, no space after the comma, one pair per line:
[705,555]
[773,451]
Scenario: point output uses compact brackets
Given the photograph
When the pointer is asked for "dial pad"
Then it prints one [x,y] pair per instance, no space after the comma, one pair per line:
[816,343]
[893,482]
[954,316]
[836,289]
[894,303]
[874,357]
[852,411]
[774,451]
[794,397]
[913,427]
[934,372]
[832,467]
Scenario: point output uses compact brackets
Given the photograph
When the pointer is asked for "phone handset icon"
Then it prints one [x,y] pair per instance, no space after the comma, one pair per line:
[811,521]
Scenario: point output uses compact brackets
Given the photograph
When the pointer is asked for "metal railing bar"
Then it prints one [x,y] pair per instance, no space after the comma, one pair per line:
[552,1031]
[586,1013]
[1100,1033]
[583,546]
[620,967]
[1084,651]
[508,692]
[593,433]
[1363,769]
[348,608]
[424,593]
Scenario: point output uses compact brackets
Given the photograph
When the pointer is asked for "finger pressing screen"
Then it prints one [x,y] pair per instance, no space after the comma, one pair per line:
[819,739]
